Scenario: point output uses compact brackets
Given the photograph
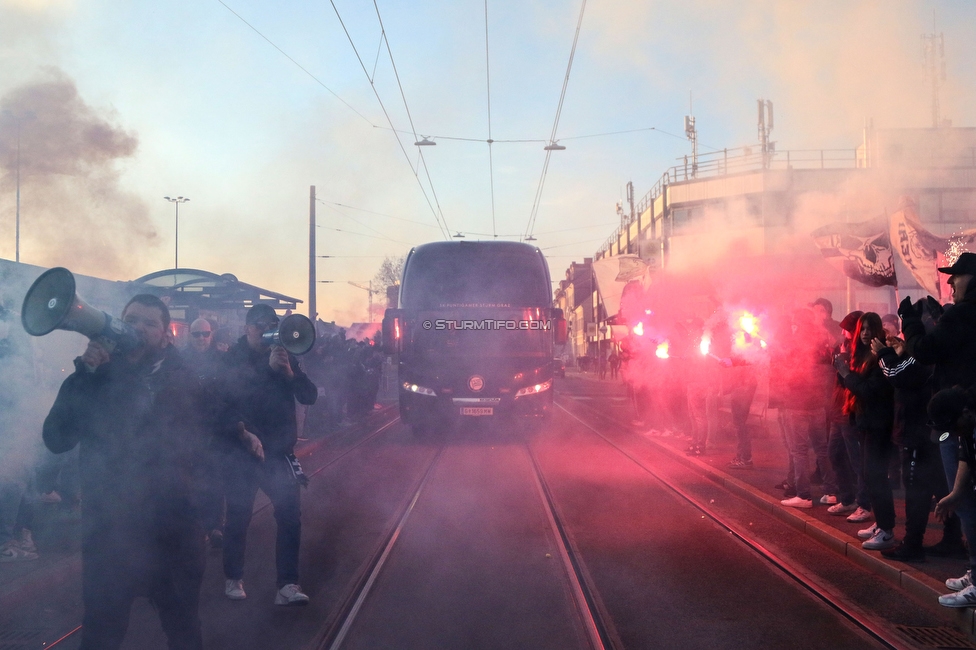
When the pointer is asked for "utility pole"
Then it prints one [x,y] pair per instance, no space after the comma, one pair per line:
[765,126]
[312,313]
[692,135]
[17,230]
[369,291]
[933,47]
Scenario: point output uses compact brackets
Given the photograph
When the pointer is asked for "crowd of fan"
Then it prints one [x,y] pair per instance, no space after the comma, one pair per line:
[347,373]
[879,402]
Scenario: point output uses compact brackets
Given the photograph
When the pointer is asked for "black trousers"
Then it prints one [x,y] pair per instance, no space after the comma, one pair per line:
[924,478]
[166,566]
[244,475]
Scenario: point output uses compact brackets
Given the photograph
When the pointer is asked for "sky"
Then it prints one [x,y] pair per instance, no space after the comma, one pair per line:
[243,105]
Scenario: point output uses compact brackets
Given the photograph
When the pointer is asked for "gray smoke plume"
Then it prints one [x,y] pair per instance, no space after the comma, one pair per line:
[73,211]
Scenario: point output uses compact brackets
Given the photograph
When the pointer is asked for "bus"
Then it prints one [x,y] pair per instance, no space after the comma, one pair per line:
[474,333]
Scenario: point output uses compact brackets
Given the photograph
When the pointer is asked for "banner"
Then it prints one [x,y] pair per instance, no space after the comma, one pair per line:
[923,253]
[614,273]
[861,251]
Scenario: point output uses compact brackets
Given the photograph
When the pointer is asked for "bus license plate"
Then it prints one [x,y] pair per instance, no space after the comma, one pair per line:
[477,410]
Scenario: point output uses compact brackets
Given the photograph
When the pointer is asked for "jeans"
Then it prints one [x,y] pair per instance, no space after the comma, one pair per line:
[805,429]
[11,496]
[966,508]
[844,450]
[741,401]
[876,447]
[703,409]
[244,475]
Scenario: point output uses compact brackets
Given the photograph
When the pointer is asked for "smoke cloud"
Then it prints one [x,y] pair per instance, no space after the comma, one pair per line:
[73,210]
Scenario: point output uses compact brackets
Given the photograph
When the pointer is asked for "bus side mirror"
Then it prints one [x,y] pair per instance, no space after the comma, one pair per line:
[560,327]
[393,331]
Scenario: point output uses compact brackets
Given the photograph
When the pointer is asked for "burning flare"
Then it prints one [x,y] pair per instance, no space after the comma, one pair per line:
[662,350]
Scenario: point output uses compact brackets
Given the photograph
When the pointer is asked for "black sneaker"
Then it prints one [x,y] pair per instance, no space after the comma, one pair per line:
[946,548]
[789,492]
[783,485]
[738,463]
[905,553]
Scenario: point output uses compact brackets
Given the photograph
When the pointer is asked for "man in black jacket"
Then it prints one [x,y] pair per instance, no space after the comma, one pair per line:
[949,344]
[922,471]
[259,385]
[135,415]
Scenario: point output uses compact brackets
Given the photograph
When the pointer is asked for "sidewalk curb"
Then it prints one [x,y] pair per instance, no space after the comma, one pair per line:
[915,582]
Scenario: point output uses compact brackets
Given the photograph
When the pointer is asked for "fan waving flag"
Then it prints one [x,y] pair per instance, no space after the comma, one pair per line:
[922,252]
[861,251]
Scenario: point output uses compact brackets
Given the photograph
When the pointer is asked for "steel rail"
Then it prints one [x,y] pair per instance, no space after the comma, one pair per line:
[593,615]
[333,633]
[63,638]
[829,597]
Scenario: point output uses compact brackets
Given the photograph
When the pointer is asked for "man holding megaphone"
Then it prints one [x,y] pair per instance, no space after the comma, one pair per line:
[136,414]
[260,383]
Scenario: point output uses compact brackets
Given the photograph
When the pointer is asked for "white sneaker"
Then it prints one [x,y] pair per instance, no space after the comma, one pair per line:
[797,502]
[12,552]
[958,584]
[868,533]
[27,541]
[50,497]
[881,540]
[291,595]
[234,589]
[841,509]
[860,515]
[828,500]
[964,598]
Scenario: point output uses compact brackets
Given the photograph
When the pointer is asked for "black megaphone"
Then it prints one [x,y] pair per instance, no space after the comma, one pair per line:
[52,304]
[295,333]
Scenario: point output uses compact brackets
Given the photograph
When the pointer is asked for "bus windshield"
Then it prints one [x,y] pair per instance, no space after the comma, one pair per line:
[476,274]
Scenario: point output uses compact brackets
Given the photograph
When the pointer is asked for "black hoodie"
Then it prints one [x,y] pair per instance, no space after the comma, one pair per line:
[950,346]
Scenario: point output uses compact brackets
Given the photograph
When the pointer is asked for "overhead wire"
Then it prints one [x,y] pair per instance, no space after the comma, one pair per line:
[425,224]
[491,169]
[555,124]
[362,234]
[406,108]
[300,66]
[354,220]
[438,217]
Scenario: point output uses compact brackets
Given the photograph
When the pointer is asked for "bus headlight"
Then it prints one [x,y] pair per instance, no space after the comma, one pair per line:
[534,389]
[420,390]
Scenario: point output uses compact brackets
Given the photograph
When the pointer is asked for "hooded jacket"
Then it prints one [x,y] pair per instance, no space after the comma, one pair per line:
[950,346]
[142,441]
[264,400]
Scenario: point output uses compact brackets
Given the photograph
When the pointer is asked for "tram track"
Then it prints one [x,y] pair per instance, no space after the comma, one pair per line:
[596,627]
[854,614]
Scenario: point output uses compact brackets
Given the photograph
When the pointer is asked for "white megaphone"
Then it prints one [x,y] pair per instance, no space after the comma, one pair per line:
[295,333]
[52,304]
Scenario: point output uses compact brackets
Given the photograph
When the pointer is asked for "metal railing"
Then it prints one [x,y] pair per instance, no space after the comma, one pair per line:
[736,161]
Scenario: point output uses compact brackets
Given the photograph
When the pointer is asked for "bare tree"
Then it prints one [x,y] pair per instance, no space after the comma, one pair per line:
[389,274]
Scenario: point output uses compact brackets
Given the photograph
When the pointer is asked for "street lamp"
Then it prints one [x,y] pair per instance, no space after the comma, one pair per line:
[28,115]
[177,201]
